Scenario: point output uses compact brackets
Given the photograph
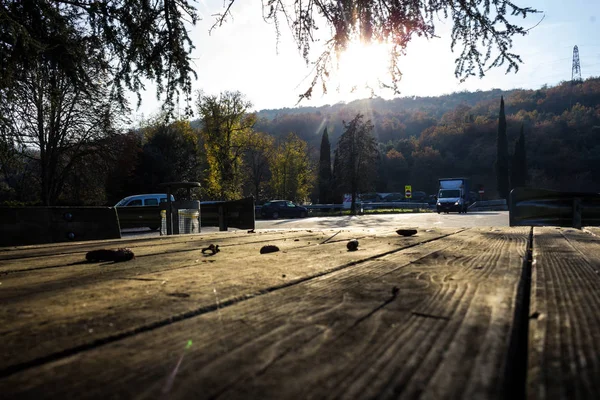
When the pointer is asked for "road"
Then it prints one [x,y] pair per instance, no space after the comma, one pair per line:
[371,222]
[387,221]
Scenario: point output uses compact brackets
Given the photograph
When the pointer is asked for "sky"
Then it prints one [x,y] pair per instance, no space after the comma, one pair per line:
[243,55]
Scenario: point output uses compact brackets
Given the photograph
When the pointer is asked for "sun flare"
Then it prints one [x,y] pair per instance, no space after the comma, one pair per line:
[361,69]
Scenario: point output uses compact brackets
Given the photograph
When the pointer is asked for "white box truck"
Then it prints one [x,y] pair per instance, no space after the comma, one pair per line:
[453,195]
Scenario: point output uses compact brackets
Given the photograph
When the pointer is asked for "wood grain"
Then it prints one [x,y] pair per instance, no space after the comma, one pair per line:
[593,230]
[82,305]
[431,321]
[62,255]
[564,337]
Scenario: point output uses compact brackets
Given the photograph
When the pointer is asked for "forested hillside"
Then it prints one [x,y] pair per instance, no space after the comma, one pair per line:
[275,153]
[424,138]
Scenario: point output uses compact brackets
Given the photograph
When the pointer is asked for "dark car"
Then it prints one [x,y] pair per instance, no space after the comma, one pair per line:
[394,197]
[282,208]
[419,197]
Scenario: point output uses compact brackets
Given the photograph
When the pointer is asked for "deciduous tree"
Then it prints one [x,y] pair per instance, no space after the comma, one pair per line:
[291,173]
[169,154]
[226,128]
[57,123]
[258,156]
[356,154]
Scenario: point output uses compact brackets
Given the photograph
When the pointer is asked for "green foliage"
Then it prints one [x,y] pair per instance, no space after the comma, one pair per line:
[291,172]
[170,154]
[562,148]
[257,159]
[502,169]
[457,137]
[482,30]
[325,193]
[136,39]
[397,170]
[126,150]
[356,156]
[19,175]
[226,130]
[128,40]
[57,124]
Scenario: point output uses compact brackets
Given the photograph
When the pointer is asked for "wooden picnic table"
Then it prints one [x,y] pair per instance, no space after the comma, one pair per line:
[444,314]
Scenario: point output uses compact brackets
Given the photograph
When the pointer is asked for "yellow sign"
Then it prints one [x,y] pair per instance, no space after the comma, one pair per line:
[408,191]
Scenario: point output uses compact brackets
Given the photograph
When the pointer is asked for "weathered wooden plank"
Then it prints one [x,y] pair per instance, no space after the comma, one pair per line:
[594,230]
[432,321]
[98,302]
[36,254]
[564,336]
[63,255]
[73,270]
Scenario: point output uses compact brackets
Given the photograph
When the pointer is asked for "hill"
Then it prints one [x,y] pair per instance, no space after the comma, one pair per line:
[455,135]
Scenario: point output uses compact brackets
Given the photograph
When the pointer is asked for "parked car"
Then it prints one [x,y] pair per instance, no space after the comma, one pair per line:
[394,197]
[152,199]
[419,197]
[141,210]
[282,208]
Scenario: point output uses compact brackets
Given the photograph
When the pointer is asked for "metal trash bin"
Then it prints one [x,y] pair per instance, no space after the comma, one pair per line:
[170,217]
[189,220]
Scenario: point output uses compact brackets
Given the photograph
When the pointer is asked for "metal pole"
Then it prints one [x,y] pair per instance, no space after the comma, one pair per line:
[577,213]
[222,222]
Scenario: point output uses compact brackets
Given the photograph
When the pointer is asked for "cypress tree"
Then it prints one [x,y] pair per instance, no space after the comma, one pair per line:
[325,196]
[502,158]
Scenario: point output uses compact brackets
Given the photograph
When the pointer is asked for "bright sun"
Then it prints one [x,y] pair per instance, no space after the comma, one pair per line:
[361,69]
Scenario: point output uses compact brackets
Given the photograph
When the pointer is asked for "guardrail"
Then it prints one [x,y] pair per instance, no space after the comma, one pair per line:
[396,204]
[369,206]
[333,207]
[539,207]
[489,205]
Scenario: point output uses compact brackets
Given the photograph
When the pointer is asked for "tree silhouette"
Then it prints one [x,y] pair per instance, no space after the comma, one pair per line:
[129,40]
[502,155]
[356,156]
[325,170]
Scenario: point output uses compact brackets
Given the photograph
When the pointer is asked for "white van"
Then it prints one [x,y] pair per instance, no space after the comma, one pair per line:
[152,199]
[141,210]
